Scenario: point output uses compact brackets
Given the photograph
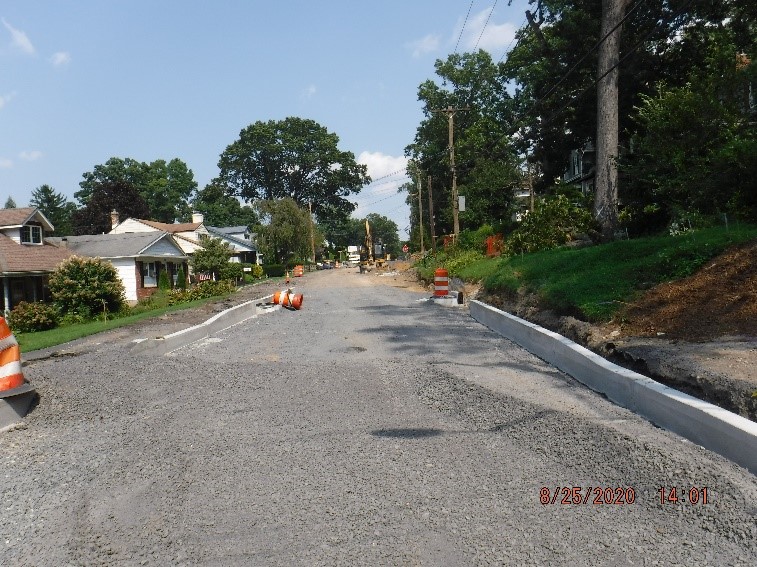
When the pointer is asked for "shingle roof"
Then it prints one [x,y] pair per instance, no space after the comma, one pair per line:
[244,243]
[18,217]
[20,258]
[172,228]
[111,245]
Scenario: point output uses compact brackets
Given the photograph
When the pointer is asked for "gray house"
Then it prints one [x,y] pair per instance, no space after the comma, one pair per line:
[139,257]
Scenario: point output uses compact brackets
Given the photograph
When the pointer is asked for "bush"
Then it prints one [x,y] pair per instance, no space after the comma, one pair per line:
[202,290]
[232,271]
[257,271]
[181,279]
[553,222]
[28,317]
[81,287]
[475,239]
[274,270]
[163,282]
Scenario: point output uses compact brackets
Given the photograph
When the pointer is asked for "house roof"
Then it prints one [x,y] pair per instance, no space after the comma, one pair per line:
[220,232]
[172,228]
[113,245]
[18,258]
[19,217]
[228,229]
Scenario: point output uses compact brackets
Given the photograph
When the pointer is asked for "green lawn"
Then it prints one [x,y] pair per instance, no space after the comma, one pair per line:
[594,282]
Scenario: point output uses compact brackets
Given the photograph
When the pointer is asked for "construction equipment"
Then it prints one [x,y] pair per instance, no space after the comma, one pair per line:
[371,254]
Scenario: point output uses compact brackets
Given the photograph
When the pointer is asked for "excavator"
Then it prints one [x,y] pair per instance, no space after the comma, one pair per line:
[371,254]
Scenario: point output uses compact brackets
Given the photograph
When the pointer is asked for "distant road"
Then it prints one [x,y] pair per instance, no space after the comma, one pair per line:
[368,428]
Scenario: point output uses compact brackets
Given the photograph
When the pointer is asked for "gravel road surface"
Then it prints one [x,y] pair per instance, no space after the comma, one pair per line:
[369,428]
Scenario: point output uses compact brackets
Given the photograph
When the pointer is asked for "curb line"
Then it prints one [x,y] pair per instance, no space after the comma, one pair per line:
[703,423]
[218,322]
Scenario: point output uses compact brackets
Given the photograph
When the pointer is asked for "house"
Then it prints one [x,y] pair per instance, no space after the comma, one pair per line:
[238,239]
[187,235]
[26,260]
[580,170]
[139,257]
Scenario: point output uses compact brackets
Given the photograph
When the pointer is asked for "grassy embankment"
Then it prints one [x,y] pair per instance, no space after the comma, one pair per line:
[593,283]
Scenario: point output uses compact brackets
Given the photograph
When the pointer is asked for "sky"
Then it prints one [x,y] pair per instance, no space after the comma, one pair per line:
[82,81]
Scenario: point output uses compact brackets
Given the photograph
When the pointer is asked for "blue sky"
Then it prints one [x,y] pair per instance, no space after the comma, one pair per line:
[82,81]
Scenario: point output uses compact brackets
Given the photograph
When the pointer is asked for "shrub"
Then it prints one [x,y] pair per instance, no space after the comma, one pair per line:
[28,317]
[163,282]
[274,270]
[475,239]
[202,290]
[181,279]
[257,271]
[81,287]
[232,271]
[553,222]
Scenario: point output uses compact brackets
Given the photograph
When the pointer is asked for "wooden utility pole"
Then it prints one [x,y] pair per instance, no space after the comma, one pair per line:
[450,112]
[431,215]
[420,210]
[606,176]
[312,236]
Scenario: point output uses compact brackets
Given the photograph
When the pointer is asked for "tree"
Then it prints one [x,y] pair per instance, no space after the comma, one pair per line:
[10,203]
[165,187]
[55,207]
[212,257]
[120,196]
[285,234]
[294,158]
[221,209]
[485,159]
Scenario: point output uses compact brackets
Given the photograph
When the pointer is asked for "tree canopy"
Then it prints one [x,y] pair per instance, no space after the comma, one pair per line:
[165,187]
[221,209]
[295,158]
[285,232]
[55,207]
[120,196]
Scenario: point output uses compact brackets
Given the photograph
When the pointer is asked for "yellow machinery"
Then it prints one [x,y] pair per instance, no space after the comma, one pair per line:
[371,254]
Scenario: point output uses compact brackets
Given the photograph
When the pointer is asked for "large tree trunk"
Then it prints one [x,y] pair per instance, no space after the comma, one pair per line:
[606,172]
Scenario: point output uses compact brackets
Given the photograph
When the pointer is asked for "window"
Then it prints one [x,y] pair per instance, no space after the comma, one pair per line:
[31,234]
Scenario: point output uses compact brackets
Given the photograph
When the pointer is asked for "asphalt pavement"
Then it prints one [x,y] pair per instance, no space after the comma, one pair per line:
[371,427]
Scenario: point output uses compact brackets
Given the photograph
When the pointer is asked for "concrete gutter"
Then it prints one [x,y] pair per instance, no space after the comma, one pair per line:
[703,423]
[223,320]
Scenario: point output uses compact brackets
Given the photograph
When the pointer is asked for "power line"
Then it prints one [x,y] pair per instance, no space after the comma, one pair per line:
[465,22]
[486,23]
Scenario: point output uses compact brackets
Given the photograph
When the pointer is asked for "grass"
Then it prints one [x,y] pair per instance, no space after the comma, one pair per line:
[593,283]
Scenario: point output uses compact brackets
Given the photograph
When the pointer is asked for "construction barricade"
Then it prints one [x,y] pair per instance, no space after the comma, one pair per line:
[16,395]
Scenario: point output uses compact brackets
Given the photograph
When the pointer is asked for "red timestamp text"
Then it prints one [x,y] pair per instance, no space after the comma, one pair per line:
[689,495]
[587,495]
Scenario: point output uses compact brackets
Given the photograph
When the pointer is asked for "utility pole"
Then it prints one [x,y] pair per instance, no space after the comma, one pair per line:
[420,210]
[312,236]
[431,215]
[606,177]
[450,112]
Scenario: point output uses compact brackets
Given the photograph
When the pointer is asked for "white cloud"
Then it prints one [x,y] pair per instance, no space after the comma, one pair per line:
[60,59]
[33,155]
[494,36]
[424,45]
[19,39]
[5,163]
[5,99]
[391,168]
[310,91]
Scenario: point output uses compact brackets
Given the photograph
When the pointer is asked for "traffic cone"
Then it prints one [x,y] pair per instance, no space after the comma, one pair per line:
[287,277]
[10,359]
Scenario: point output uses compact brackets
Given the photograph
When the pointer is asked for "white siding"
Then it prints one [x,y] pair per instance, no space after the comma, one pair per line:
[13,233]
[127,271]
[132,225]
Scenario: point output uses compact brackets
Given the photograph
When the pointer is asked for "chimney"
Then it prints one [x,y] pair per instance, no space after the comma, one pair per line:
[113,219]
[197,217]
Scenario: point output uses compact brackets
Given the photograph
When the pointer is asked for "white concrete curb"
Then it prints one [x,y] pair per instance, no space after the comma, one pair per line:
[218,322]
[714,428]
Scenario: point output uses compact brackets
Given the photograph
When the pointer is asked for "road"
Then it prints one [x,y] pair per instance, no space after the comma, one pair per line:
[369,428]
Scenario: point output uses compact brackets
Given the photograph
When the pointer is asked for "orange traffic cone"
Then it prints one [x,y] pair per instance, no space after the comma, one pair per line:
[287,277]
[10,359]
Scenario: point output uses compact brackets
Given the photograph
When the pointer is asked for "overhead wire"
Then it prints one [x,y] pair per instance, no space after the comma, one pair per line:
[463,28]
[486,23]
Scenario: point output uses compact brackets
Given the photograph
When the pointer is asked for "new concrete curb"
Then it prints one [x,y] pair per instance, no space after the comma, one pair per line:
[705,424]
[220,321]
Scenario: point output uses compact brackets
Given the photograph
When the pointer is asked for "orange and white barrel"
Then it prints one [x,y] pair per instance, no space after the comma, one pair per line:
[10,359]
[441,282]
[299,271]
